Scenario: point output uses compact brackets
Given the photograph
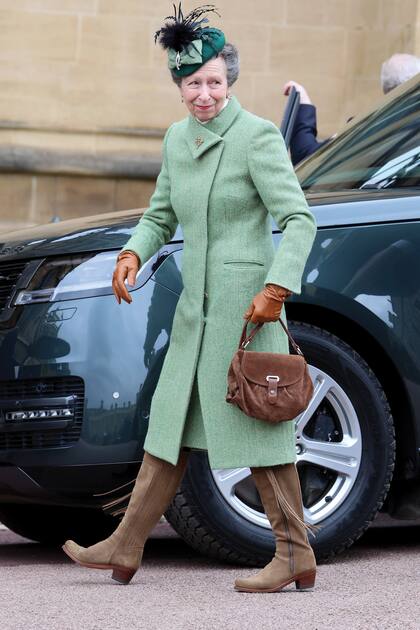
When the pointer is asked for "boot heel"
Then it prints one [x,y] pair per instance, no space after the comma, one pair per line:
[305,581]
[123,576]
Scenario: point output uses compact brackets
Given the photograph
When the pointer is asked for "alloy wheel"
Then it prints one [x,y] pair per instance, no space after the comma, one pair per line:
[328,448]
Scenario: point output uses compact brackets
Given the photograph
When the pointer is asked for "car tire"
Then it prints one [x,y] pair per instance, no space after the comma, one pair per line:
[53,525]
[212,525]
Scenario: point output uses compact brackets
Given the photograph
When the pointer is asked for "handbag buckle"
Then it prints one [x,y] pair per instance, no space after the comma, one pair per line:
[273,381]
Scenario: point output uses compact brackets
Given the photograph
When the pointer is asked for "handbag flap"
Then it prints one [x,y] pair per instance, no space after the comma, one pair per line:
[256,366]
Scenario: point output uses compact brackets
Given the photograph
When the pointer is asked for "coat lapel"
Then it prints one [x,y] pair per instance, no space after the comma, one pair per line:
[200,138]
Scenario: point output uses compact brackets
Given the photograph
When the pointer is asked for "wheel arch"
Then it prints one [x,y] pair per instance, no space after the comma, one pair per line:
[383,367]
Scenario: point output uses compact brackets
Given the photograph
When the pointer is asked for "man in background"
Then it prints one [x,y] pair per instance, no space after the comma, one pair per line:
[395,70]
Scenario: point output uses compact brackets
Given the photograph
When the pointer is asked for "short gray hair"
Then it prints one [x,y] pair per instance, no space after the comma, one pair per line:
[397,69]
[230,54]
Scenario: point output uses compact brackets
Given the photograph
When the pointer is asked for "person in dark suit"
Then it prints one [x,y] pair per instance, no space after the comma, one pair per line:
[304,137]
[394,71]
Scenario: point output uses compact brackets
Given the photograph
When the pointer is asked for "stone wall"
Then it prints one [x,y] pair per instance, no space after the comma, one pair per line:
[85,94]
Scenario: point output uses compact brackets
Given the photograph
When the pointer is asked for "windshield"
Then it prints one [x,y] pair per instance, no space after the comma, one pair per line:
[381,151]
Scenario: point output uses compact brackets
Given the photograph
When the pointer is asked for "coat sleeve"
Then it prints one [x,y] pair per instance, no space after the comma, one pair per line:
[157,225]
[303,141]
[275,180]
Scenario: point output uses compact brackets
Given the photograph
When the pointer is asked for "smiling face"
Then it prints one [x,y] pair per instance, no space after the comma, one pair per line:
[205,90]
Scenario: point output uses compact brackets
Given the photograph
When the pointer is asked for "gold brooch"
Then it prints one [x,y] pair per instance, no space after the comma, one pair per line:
[199,141]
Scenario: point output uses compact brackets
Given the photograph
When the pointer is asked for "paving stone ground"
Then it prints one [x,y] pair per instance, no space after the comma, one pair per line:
[373,585]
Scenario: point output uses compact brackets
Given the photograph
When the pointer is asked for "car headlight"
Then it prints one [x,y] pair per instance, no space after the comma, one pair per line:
[73,277]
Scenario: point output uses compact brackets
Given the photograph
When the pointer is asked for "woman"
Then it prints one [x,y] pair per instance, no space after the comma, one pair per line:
[224,172]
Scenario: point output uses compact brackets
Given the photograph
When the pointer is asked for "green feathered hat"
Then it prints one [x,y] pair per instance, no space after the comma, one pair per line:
[189,44]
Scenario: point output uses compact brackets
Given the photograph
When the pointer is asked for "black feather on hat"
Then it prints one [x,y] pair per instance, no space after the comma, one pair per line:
[181,32]
[180,35]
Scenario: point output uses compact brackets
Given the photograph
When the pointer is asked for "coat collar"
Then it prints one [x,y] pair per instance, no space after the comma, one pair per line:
[202,137]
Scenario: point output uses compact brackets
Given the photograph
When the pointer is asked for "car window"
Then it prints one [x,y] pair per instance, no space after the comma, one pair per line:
[381,151]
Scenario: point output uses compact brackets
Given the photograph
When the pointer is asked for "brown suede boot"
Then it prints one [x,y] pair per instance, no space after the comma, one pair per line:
[294,560]
[156,484]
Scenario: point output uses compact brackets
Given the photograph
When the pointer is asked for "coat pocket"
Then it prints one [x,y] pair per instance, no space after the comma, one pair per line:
[243,264]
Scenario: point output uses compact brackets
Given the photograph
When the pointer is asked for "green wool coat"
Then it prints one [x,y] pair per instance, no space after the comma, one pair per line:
[221,182]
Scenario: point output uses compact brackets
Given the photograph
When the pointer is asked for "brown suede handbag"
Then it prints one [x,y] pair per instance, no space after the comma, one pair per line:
[268,385]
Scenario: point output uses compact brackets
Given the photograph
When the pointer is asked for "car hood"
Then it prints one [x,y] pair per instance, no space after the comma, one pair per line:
[89,233]
[111,230]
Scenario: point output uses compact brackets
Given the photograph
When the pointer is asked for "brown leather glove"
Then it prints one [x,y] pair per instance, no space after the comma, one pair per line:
[128,264]
[266,305]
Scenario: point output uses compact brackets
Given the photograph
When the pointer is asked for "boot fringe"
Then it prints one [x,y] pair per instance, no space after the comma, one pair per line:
[118,505]
[285,505]
[103,494]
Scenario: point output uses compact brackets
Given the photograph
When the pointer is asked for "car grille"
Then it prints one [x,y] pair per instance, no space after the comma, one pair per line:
[10,273]
[43,389]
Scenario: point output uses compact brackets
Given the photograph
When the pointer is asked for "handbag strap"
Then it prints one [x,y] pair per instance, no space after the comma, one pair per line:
[244,341]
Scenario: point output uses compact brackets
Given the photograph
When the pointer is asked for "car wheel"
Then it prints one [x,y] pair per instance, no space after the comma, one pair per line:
[345,446]
[53,525]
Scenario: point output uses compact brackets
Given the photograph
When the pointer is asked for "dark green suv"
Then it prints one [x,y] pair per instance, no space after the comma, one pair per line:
[78,371]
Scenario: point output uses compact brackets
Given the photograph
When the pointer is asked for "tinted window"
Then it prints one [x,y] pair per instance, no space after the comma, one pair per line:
[381,151]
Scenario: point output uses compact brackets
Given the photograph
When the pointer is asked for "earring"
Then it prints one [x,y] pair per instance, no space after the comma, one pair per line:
[182,99]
